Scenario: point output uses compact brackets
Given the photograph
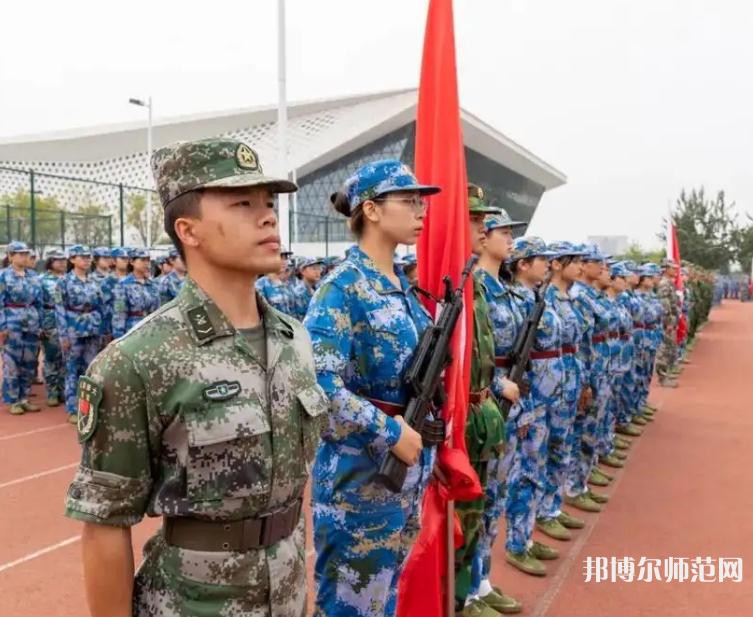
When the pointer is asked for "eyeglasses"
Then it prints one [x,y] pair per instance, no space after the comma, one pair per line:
[417,204]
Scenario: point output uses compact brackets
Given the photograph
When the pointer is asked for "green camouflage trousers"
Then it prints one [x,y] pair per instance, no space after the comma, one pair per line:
[666,356]
[176,582]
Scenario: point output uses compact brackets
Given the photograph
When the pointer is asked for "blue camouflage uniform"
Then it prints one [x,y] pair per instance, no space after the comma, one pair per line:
[169,286]
[633,329]
[507,320]
[107,289]
[364,332]
[79,314]
[21,318]
[54,372]
[133,300]
[605,430]
[526,478]
[278,294]
[653,334]
[301,291]
[594,354]
[562,419]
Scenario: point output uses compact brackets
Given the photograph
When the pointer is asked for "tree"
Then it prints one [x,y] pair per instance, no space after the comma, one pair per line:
[15,218]
[706,229]
[743,240]
[90,224]
[636,253]
[136,217]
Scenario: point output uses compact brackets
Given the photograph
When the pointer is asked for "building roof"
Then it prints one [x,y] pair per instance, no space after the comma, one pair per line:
[319,132]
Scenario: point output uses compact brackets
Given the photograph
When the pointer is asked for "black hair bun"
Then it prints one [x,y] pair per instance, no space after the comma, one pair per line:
[340,202]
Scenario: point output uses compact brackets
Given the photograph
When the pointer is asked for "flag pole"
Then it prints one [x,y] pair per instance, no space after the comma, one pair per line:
[282,126]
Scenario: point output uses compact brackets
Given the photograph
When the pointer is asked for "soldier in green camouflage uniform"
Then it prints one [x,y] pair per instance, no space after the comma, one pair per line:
[206,416]
[667,353]
[484,433]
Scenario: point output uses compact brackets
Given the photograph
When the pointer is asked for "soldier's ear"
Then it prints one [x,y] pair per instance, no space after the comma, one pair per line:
[186,230]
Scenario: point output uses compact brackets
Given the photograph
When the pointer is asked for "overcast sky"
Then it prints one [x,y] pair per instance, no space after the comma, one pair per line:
[632,99]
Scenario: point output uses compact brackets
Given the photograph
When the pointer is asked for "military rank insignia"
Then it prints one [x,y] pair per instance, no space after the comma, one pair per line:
[222,391]
[89,399]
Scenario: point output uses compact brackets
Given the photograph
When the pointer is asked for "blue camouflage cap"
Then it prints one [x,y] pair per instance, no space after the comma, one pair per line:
[160,259]
[55,254]
[121,251]
[593,253]
[310,261]
[631,265]
[619,269]
[500,221]
[379,178]
[410,259]
[528,246]
[18,247]
[79,250]
[563,248]
[650,269]
[173,253]
[140,253]
[102,251]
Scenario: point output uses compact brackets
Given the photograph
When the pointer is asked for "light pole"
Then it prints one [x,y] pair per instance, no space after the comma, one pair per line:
[282,125]
[148,105]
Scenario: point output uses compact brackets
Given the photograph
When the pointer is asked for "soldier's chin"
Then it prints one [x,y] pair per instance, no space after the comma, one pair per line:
[268,264]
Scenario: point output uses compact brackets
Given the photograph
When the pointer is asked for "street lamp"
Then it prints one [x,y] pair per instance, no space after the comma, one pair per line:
[148,105]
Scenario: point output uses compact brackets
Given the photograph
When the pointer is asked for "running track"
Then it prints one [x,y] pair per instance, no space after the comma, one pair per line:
[685,492]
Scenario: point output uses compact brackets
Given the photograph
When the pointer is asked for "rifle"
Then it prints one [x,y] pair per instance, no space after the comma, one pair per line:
[425,373]
[521,350]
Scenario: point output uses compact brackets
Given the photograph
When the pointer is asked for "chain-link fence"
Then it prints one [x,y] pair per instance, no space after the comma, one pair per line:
[48,210]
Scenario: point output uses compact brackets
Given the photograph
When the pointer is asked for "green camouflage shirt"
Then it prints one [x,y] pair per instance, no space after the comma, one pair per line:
[179,418]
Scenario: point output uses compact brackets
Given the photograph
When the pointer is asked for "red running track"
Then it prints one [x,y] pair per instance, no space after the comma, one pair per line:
[685,492]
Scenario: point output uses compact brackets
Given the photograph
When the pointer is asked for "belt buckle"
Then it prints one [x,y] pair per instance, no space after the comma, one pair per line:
[267,527]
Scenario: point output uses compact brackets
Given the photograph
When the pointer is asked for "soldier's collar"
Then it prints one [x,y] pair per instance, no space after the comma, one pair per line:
[207,322]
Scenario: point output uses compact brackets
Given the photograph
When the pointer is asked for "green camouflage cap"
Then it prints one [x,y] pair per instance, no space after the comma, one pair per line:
[477,203]
[210,163]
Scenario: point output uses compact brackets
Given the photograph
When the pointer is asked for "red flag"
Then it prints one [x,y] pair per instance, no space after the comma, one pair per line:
[673,253]
[443,248]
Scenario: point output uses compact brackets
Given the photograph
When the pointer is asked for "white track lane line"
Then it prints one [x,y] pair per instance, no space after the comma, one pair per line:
[34,432]
[42,551]
[41,474]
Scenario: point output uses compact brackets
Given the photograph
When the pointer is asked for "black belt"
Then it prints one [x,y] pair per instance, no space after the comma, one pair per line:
[432,432]
[245,535]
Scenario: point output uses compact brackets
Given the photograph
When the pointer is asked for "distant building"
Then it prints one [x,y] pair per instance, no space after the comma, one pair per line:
[612,245]
[327,141]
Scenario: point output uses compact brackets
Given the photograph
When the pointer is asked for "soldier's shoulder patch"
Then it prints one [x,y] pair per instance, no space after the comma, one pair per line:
[89,400]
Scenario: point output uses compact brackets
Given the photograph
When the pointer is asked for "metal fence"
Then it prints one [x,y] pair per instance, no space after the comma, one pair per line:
[49,210]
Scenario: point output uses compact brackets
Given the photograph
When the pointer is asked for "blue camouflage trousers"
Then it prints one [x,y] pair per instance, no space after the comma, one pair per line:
[560,442]
[494,502]
[583,456]
[629,395]
[361,551]
[77,359]
[606,432]
[524,482]
[54,373]
[19,365]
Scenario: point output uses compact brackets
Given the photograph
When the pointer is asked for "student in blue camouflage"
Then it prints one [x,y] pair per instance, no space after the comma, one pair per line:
[529,265]
[652,337]
[79,313]
[170,284]
[20,322]
[621,362]
[135,296]
[275,288]
[567,266]
[303,288]
[629,395]
[121,259]
[365,324]
[507,320]
[594,355]
[605,430]
[54,369]
[102,264]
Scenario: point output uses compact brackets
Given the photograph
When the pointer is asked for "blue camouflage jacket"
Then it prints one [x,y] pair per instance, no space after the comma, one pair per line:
[20,302]
[364,332]
[78,307]
[49,283]
[132,301]
[572,328]
[169,286]
[507,320]
[594,355]
[302,295]
[278,294]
